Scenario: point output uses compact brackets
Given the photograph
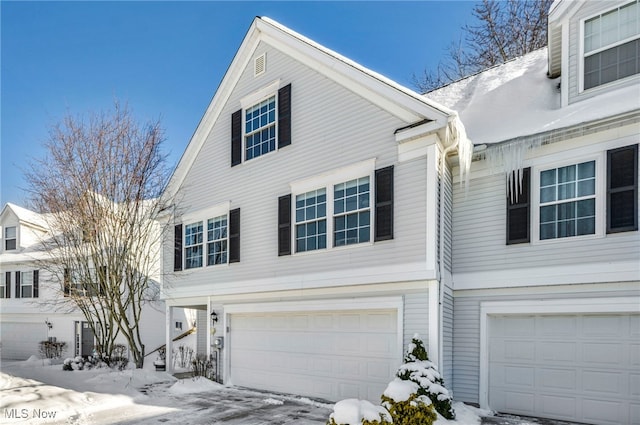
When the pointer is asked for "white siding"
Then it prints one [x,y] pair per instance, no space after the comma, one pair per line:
[201,332]
[326,134]
[447,336]
[416,318]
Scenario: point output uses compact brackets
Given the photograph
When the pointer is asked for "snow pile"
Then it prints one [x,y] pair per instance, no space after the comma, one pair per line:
[198,384]
[353,412]
[399,390]
[273,401]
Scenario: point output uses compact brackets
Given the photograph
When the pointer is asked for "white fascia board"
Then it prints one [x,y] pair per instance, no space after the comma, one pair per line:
[616,271]
[397,100]
[411,133]
[219,100]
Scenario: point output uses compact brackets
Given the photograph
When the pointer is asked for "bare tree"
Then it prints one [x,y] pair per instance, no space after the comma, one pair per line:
[503,30]
[99,188]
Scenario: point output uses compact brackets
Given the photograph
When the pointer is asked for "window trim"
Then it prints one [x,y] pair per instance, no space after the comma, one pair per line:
[3,284]
[581,52]
[251,100]
[31,284]
[203,216]
[5,239]
[186,246]
[600,197]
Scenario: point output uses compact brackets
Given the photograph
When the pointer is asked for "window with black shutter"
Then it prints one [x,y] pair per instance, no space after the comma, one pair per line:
[36,286]
[18,291]
[234,235]
[284,225]
[518,208]
[622,189]
[384,204]
[66,288]
[284,116]
[177,248]
[7,285]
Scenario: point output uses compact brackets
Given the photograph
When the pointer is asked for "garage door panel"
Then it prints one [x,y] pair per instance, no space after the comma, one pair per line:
[21,340]
[340,353]
[584,377]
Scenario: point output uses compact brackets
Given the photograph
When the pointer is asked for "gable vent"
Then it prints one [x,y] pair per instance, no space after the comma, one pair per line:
[259,65]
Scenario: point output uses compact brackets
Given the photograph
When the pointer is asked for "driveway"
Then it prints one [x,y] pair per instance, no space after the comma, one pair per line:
[506,419]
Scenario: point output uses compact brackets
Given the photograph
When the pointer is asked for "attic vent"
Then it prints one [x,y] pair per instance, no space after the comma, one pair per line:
[259,65]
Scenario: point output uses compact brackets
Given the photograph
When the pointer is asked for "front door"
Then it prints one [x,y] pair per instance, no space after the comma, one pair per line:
[87,340]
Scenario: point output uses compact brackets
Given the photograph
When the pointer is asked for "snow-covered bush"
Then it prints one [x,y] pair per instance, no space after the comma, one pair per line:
[52,349]
[406,406]
[202,366]
[358,412]
[96,361]
[419,370]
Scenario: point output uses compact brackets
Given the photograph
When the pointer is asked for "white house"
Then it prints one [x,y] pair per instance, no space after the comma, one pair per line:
[546,265]
[315,221]
[31,299]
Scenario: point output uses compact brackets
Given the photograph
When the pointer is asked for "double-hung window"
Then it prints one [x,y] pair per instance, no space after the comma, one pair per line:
[352,212]
[612,45]
[568,201]
[4,293]
[311,220]
[193,248]
[26,285]
[217,240]
[10,238]
[260,128]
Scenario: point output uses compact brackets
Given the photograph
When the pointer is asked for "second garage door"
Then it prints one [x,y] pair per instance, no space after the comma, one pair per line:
[583,368]
[330,355]
[21,340]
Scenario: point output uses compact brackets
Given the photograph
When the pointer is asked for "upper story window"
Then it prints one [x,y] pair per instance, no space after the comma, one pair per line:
[10,238]
[612,45]
[337,212]
[575,199]
[193,248]
[568,201]
[352,216]
[5,286]
[27,284]
[263,124]
[260,128]
[311,220]
[208,242]
[217,240]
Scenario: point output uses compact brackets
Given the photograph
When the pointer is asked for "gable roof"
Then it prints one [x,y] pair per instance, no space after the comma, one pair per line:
[517,99]
[387,94]
[25,216]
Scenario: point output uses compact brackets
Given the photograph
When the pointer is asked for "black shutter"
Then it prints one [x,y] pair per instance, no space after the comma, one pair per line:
[236,138]
[284,116]
[384,204]
[18,292]
[177,248]
[66,288]
[234,235]
[518,205]
[7,285]
[36,286]
[284,225]
[622,189]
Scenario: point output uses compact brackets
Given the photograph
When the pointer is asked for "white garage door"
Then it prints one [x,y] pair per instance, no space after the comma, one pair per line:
[583,368]
[326,355]
[21,340]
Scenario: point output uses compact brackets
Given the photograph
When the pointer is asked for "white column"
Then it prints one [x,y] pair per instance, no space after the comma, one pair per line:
[169,338]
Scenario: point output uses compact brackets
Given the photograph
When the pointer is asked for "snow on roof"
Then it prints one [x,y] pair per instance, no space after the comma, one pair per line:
[27,216]
[517,99]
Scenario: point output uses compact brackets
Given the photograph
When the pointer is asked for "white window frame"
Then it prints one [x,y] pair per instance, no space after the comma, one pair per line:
[201,244]
[581,57]
[6,239]
[328,181]
[24,285]
[253,99]
[3,285]
[600,197]
[203,216]
[307,221]
[225,239]
[356,211]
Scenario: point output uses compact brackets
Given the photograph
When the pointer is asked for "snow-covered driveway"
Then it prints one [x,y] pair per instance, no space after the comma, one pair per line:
[31,393]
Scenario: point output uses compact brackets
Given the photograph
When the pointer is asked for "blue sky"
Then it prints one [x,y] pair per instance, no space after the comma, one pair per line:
[166,59]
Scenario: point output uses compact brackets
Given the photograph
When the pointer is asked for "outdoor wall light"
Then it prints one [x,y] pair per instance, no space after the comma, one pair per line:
[48,323]
[214,317]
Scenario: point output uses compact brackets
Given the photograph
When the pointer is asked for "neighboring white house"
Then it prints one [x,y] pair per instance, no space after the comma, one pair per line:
[546,266]
[30,298]
[315,221]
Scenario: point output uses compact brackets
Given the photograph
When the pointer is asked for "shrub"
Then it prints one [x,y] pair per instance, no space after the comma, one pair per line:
[358,412]
[51,349]
[202,366]
[182,356]
[418,369]
[404,404]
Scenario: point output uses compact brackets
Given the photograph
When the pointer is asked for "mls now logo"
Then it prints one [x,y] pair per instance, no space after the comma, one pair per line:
[26,413]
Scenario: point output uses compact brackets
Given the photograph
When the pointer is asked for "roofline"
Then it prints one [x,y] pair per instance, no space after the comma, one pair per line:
[397,99]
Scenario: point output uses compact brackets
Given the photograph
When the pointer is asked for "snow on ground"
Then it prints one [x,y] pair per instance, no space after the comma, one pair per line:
[36,392]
